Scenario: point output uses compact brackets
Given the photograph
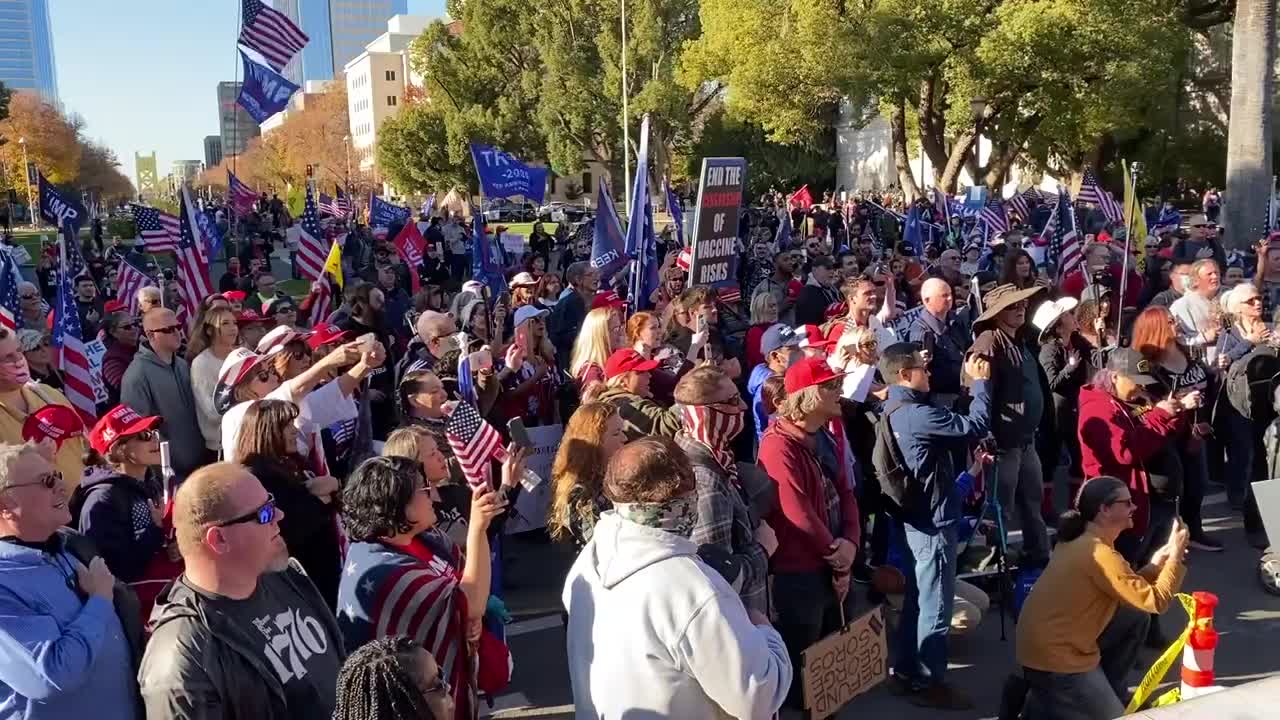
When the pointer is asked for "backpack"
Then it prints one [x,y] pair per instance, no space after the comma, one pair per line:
[897,482]
[1249,383]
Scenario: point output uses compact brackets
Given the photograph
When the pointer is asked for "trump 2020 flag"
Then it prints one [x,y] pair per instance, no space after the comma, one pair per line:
[485,265]
[264,91]
[384,214]
[410,245]
[641,244]
[60,209]
[673,207]
[503,175]
[607,244]
[474,443]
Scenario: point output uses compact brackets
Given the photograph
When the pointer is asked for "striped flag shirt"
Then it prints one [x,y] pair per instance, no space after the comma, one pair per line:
[474,443]
[1092,192]
[158,229]
[193,262]
[68,338]
[312,248]
[10,276]
[129,280]
[241,196]
[271,33]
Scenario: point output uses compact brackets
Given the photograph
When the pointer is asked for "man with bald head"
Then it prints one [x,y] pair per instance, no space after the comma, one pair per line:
[242,632]
[937,331]
[158,382]
[436,337]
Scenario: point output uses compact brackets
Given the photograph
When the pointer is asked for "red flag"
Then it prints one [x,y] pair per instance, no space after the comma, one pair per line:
[410,244]
[801,198]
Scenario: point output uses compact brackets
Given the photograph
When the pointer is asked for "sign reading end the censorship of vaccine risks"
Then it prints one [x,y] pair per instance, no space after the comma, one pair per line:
[715,226]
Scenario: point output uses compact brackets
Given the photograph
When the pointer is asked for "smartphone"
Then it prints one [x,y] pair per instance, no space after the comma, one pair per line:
[481,359]
[367,341]
[702,323]
[519,434]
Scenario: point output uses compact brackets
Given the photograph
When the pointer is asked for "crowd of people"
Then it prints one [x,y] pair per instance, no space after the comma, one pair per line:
[737,480]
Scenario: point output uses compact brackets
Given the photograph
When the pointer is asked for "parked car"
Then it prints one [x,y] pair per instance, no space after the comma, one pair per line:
[503,210]
[558,211]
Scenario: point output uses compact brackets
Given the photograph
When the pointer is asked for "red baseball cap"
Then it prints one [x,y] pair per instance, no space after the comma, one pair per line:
[120,422]
[811,337]
[111,306]
[248,317]
[607,299]
[627,360]
[52,422]
[234,295]
[807,373]
[326,334]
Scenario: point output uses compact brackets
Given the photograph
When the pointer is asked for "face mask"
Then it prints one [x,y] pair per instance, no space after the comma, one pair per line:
[448,343]
[676,515]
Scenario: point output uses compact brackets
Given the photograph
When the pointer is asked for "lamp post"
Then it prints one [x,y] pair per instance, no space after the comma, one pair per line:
[346,145]
[26,174]
[978,105]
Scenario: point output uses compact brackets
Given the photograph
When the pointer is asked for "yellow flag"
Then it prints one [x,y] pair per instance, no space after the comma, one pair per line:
[1136,219]
[295,200]
[333,264]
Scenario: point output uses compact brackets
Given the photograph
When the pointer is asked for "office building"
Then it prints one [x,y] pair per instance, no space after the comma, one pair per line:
[376,81]
[26,48]
[235,126]
[212,150]
[339,30]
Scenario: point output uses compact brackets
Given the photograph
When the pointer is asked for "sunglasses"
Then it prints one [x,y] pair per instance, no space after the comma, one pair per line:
[145,435]
[168,330]
[262,515]
[28,297]
[265,375]
[49,480]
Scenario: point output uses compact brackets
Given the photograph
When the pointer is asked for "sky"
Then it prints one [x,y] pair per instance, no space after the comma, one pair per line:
[144,73]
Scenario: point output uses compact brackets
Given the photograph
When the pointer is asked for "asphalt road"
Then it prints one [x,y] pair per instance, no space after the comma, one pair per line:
[1248,620]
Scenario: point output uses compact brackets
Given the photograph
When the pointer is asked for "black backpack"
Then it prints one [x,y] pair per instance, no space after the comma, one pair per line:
[897,482]
[1250,381]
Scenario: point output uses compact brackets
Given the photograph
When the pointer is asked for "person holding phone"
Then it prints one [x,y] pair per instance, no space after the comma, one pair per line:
[530,387]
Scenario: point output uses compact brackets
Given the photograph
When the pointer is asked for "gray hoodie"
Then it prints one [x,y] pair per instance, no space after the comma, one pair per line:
[153,387]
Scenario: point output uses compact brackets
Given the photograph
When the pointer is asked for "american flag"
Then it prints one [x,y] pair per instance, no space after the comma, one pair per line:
[271,33]
[327,206]
[428,205]
[10,277]
[1066,241]
[322,290]
[1021,203]
[475,443]
[311,241]
[130,280]
[67,334]
[1092,192]
[730,294]
[994,216]
[343,203]
[158,229]
[193,262]
[241,196]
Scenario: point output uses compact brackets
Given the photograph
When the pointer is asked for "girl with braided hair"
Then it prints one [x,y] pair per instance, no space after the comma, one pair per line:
[392,678]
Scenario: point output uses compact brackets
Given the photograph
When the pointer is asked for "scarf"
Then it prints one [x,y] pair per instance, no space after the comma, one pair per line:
[715,430]
[675,515]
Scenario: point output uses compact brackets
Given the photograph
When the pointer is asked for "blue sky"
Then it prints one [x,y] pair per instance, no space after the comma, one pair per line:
[144,73]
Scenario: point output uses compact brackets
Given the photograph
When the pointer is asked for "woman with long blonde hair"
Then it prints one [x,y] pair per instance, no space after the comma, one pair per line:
[593,435]
[597,339]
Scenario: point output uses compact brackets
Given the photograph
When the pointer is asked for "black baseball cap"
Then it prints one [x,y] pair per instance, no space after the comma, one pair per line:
[1132,364]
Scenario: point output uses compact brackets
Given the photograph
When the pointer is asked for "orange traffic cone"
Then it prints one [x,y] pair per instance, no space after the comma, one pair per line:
[1197,656]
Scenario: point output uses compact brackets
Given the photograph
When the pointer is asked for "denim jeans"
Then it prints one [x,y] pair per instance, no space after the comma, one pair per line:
[927,606]
[1097,694]
[808,611]
[1240,442]
[1020,487]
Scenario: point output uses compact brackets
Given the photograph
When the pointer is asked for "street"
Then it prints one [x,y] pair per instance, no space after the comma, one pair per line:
[1248,620]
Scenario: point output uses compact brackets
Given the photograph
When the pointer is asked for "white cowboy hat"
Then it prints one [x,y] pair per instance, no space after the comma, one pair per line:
[1047,313]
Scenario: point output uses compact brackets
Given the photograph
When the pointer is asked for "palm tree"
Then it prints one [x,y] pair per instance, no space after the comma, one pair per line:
[1253,50]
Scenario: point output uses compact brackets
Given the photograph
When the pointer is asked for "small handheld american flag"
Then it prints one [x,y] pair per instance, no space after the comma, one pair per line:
[475,443]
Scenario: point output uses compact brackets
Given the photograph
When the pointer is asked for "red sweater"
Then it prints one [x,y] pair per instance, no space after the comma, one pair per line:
[787,454]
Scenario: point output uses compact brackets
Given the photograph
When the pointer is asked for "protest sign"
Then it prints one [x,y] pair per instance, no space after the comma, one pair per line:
[531,505]
[94,352]
[264,91]
[845,664]
[512,243]
[715,225]
[503,175]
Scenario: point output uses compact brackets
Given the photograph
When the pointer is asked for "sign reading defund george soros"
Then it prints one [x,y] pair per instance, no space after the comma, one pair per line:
[715,239]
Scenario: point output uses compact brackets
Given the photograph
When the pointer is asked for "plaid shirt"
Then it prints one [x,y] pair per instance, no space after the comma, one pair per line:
[725,520]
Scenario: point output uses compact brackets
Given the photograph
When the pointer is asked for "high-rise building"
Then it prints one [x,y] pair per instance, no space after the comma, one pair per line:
[212,150]
[26,48]
[148,179]
[235,126]
[339,30]
[376,82]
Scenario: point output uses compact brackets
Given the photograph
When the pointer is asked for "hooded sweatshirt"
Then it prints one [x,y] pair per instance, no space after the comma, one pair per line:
[64,657]
[152,386]
[654,631]
[755,386]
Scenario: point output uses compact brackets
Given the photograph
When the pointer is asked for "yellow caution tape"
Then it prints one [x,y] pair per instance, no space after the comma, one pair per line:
[1160,668]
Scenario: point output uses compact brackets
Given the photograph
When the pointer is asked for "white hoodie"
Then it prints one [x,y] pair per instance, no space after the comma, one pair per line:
[655,632]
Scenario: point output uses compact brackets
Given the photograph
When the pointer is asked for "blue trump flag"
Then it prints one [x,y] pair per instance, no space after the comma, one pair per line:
[608,246]
[485,266]
[264,91]
[912,232]
[502,175]
[58,208]
[642,246]
[673,207]
[384,214]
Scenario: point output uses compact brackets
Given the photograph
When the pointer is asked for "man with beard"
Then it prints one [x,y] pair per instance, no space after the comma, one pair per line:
[243,632]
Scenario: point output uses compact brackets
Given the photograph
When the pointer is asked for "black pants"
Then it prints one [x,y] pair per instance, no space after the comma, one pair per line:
[808,611]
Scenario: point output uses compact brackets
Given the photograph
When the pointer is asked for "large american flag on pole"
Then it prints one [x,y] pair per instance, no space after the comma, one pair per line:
[327,206]
[475,443]
[68,338]
[1066,241]
[343,203]
[312,247]
[158,229]
[271,33]
[10,276]
[241,196]
[994,216]
[1021,203]
[1092,192]
[193,261]
[129,280]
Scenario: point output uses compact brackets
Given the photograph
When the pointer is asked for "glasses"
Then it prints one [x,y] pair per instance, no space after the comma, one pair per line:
[1123,501]
[167,330]
[262,515]
[1255,300]
[145,435]
[265,375]
[49,480]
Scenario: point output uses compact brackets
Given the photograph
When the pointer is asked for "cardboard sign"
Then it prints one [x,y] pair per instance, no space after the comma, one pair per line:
[512,243]
[845,664]
[531,505]
[715,225]
[93,352]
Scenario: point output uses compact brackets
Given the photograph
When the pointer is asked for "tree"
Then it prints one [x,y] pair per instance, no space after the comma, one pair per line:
[1249,178]
[100,174]
[52,141]
[770,166]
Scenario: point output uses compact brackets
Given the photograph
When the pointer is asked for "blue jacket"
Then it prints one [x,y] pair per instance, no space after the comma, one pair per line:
[927,435]
[951,339]
[63,657]
[755,386]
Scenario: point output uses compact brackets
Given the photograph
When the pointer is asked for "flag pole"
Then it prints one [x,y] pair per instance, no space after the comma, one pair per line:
[626,119]
[1128,242]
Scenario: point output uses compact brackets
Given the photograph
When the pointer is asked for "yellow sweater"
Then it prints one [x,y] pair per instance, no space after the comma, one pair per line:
[1076,597]
[69,459]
